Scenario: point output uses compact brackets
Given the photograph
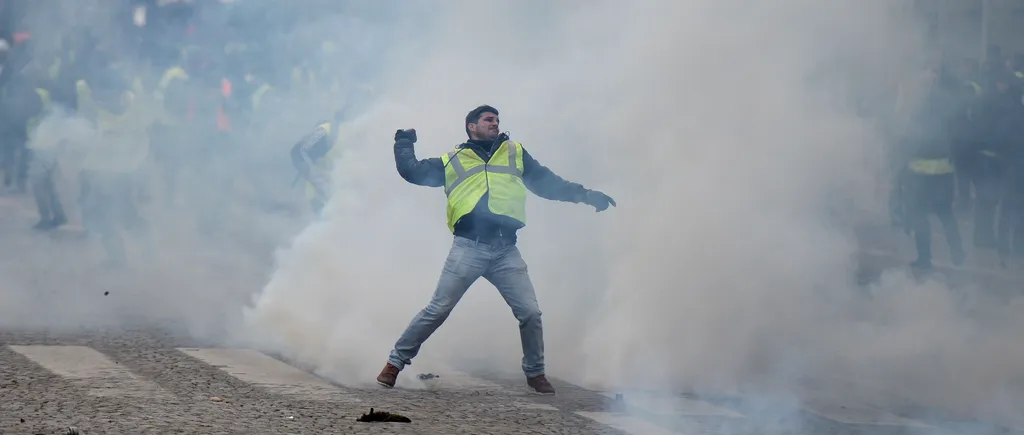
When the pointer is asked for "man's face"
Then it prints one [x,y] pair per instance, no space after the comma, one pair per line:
[486,128]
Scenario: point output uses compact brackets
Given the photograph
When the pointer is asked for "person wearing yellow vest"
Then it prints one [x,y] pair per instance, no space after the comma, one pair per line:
[170,140]
[313,158]
[110,167]
[485,180]
[42,148]
[926,182]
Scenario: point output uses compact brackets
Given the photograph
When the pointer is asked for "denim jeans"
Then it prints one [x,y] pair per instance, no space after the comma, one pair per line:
[502,266]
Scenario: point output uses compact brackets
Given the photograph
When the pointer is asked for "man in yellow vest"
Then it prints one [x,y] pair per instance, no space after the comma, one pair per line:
[110,167]
[485,180]
[42,146]
[313,158]
[926,181]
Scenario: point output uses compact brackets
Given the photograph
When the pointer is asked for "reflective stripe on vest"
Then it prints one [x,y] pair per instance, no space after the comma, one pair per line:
[931,166]
[468,178]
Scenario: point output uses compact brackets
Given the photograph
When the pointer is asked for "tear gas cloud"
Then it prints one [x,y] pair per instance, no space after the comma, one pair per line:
[723,130]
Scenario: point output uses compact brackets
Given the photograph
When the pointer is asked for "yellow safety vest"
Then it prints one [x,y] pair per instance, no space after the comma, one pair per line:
[33,122]
[467,178]
[931,166]
[123,142]
[257,96]
[325,163]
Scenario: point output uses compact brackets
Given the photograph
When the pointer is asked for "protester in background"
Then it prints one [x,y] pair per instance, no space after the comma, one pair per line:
[926,181]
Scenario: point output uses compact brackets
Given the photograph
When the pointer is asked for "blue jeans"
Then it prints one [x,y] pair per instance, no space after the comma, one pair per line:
[468,260]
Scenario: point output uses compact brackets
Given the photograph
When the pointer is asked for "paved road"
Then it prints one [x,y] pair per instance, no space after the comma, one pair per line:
[145,382]
[151,380]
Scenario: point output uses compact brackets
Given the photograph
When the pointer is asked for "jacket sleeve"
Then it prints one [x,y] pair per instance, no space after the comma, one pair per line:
[427,172]
[545,184]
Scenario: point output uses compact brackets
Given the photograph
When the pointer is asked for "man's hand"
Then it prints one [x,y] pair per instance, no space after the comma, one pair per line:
[598,200]
[409,135]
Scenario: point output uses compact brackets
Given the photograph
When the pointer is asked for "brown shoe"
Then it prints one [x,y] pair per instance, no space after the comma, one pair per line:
[388,376]
[540,384]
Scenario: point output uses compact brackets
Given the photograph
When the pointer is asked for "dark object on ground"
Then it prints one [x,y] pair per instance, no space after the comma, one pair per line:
[71,431]
[106,293]
[381,416]
[427,376]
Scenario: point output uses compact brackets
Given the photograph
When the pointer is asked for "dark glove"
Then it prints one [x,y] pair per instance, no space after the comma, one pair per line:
[409,135]
[598,200]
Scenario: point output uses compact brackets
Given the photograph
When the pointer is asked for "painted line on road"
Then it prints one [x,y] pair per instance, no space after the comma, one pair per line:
[673,405]
[627,424]
[91,370]
[533,406]
[849,413]
[256,368]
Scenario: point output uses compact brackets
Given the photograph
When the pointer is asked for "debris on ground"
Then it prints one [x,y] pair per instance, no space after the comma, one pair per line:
[216,399]
[106,293]
[71,431]
[427,376]
[382,416]
[290,417]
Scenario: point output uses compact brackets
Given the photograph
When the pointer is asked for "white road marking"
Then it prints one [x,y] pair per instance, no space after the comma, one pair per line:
[672,405]
[850,413]
[533,406]
[256,368]
[627,424]
[92,371]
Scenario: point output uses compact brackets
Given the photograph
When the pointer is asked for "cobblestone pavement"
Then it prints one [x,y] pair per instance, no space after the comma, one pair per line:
[136,382]
[150,380]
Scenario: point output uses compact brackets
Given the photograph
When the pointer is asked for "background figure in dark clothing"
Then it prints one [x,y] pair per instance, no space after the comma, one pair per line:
[1008,126]
[998,118]
[926,181]
[968,86]
[15,94]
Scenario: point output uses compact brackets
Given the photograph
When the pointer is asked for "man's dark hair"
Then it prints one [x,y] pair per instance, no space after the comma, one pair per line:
[474,115]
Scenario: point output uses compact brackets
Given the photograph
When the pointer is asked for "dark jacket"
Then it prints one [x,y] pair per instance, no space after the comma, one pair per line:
[481,223]
[1000,124]
[932,127]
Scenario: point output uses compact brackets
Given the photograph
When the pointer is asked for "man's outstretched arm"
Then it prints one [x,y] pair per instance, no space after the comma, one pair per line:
[544,183]
[426,172]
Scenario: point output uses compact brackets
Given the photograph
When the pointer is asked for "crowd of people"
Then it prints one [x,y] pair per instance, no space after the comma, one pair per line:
[171,103]
[158,100]
[957,151]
